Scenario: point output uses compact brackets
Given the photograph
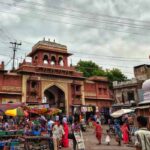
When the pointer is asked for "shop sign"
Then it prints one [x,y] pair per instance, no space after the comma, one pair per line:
[10,88]
[9,100]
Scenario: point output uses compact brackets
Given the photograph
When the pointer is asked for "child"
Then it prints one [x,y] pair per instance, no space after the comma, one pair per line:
[107,139]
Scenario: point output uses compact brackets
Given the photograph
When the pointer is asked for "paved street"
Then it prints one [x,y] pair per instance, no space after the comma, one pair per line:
[91,143]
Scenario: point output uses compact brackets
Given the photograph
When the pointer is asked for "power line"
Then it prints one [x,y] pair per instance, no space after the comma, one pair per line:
[97,56]
[111,57]
[8,62]
[88,13]
[91,68]
[85,25]
[145,27]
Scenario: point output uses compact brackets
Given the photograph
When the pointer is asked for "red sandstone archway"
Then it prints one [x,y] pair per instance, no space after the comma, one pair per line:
[55,97]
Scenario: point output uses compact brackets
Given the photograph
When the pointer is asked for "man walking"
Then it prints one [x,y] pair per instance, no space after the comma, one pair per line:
[142,135]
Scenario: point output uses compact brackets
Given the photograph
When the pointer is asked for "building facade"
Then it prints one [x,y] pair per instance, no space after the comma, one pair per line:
[130,93]
[48,78]
[126,93]
[142,72]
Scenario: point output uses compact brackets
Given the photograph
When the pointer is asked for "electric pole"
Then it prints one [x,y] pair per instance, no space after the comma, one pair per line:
[15,47]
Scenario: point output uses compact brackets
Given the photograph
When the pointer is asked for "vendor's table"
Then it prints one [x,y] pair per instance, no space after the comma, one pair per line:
[38,143]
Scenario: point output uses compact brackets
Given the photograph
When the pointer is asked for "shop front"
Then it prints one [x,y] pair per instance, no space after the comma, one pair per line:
[84,111]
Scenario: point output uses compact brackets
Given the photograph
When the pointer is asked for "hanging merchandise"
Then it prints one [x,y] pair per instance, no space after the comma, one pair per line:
[97,110]
[77,110]
[83,109]
[74,110]
[89,110]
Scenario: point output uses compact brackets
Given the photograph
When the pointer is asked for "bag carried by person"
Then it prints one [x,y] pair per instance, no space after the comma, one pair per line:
[71,136]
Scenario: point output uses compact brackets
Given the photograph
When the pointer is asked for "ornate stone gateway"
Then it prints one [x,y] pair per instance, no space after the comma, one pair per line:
[55,97]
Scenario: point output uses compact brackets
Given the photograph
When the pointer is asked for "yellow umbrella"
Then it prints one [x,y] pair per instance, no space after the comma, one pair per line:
[15,112]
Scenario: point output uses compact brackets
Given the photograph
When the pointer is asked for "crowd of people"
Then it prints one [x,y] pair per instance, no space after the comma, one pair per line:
[124,131]
[61,128]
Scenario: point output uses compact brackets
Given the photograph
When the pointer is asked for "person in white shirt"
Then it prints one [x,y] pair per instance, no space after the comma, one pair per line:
[142,135]
[49,126]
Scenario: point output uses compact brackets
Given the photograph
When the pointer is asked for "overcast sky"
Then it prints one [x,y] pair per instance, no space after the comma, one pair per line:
[112,33]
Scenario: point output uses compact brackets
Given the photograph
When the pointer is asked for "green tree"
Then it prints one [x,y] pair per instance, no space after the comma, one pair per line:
[89,68]
[115,75]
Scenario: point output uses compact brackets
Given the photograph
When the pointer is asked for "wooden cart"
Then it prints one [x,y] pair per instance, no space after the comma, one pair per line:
[38,143]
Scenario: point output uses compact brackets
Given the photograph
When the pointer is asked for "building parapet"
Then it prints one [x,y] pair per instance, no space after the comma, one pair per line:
[117,84]
[49,45]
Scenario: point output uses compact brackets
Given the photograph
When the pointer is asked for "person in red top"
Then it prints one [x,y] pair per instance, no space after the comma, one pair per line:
[125,132]
[98,131]
[65,140]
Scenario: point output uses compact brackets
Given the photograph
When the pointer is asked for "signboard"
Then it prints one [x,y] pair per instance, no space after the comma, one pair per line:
[10,100]
[44,100]
[80,140]
[10,88]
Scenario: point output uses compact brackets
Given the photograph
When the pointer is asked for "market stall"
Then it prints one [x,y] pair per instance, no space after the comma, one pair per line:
[19,130]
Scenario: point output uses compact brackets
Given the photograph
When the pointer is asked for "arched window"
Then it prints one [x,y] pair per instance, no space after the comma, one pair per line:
[33,84]
[53,60]
[35,59]
[60,61]
[45,59]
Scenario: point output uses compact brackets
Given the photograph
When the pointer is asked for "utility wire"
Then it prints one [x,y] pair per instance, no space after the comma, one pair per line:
[8,62]
[110,57]
[91,68]
[85,25]
[98,56]
[145,27]
[87,13]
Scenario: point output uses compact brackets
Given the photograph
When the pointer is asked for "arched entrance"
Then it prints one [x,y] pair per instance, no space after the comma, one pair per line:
[55,97]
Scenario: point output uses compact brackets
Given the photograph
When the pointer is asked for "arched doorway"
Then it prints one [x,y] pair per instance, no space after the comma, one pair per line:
[55,97]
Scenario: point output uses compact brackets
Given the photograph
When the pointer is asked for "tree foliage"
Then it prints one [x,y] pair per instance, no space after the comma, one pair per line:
[90,68]
[115,75]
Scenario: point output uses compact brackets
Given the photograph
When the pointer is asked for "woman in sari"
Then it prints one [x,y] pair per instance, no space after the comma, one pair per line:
[65,140]
[98,131]
[118,132]
[125,133]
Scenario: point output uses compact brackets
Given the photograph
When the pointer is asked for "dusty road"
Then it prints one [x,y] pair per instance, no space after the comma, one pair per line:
[91,143]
